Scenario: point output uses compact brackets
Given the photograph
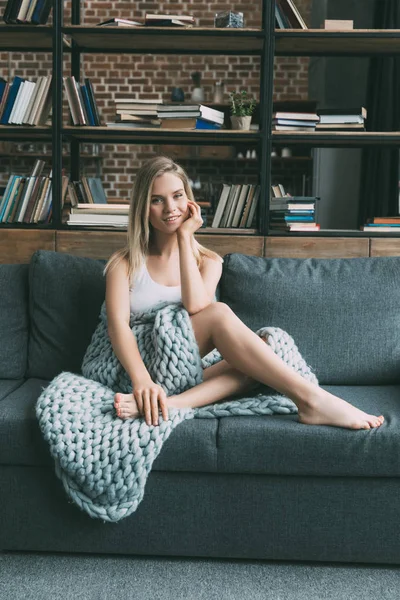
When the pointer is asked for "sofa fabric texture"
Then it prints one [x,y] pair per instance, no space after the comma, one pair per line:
[342,313]
[14,321]
[65,296]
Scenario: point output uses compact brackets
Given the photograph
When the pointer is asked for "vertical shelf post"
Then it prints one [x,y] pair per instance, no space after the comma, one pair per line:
[57,113]
[266,104]
[75,145]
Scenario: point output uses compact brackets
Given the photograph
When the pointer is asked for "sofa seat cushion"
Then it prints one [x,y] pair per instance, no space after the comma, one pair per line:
[344,314]
[14,322]
[280,445]
[192,446]
[274,445]
[9,385]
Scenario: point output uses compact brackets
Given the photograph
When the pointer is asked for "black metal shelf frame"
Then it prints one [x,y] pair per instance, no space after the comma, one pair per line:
[264,139]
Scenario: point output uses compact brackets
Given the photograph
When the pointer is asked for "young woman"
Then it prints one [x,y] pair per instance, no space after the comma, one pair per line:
[163,261]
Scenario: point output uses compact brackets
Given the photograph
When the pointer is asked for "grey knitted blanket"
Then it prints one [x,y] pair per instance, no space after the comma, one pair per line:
[104,461]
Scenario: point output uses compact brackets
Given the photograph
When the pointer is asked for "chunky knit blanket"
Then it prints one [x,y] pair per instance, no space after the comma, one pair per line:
[104,461]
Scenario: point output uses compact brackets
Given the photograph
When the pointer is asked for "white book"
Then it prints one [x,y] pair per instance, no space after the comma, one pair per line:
[22,103]
[86,218]
[221,204]
[136,101]
[30,88]
[23,10]
[16,103]
[32,101]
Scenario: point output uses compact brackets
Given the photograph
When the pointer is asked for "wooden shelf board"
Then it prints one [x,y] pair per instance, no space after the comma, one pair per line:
[346,139]
[44,155]
[26,37]
[17,132]
[170,40]
[151,135]
[362,42]
[332,233]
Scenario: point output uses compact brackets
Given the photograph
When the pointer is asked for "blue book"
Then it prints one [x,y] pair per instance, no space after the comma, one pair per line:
[41,12]
[203,124]
[88,106]
[12,94]
[383,225]
[11,194]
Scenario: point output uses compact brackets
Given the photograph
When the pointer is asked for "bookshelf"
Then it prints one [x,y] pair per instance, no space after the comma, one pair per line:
[265,42]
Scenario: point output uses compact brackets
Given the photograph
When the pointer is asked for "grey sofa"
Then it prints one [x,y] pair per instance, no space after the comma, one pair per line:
[235,487]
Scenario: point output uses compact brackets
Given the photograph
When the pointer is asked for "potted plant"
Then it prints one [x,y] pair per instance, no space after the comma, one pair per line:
[242,109]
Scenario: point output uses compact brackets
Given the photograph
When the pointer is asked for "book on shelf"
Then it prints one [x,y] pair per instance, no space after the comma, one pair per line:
[289,15]
[34,12]
[165,20]
[188,123]
[343,115]
[81,101]
[298,116]
[384,220]
[378,228]
[236,206]
[117,22]
[27,199]
[170,111]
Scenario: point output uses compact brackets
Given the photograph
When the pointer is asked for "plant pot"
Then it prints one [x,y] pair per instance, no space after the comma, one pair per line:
[240,122]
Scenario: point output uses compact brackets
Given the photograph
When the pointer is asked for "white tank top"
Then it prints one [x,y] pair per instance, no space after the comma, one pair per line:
[146,293]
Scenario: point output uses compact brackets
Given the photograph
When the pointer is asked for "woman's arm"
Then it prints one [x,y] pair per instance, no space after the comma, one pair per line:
[121,336]
[197,285]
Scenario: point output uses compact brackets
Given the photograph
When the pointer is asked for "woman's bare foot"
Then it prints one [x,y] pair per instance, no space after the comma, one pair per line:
[327,409]
[126,406]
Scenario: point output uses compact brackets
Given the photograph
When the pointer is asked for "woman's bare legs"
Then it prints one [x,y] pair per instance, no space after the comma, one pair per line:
[250,359]
[218,327]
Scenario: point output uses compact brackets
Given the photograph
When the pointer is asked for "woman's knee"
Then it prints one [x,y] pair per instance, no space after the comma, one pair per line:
[220,311]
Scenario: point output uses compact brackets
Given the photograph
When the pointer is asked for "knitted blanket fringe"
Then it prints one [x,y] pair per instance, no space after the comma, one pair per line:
[104,461]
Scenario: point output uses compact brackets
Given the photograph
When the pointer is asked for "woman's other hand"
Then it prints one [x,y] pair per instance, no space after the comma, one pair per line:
[193,219]
[150,398]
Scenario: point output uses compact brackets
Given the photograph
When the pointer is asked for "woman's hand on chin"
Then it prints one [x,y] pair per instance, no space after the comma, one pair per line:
[193,220]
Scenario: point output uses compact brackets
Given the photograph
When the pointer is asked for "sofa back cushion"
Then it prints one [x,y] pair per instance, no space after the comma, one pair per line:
[65,296]
[13,321]
[344,314]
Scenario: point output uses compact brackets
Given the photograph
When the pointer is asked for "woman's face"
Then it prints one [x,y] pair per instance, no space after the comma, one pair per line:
[168,199]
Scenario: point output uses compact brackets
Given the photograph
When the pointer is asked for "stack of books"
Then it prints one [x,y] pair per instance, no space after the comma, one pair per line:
[134,113]
[292,213]
[165,20]
[382,224]
[28,199]
[236,206]
[294,121]
[287,15]
[81,101]
[342,119]
[99,215]
[25,102]
[189,116]
[34,12]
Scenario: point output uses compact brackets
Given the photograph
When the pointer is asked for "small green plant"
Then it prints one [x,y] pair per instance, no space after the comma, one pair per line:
[241,105]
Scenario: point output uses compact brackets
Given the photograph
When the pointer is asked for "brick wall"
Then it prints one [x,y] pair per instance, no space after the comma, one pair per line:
[153,76]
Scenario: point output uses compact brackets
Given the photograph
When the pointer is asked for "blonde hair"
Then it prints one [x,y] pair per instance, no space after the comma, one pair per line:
[136,248]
